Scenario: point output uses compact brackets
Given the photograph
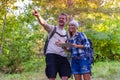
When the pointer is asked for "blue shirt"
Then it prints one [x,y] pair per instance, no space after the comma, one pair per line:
[79,39]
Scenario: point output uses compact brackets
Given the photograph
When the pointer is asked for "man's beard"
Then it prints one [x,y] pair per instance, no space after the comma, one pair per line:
[61,23]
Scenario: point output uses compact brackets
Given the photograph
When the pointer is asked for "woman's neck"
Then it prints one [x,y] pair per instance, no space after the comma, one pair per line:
[72,34]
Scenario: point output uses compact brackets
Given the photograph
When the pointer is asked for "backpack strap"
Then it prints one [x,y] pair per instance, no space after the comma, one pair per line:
[67,37]
[61,35]
[53,32]
[80,39]
[48,38]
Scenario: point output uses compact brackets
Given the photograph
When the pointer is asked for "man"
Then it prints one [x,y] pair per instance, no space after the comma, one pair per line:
[56,58]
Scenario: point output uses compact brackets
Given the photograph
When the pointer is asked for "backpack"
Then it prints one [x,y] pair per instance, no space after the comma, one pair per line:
[89,51]
[47,40]
[49,37]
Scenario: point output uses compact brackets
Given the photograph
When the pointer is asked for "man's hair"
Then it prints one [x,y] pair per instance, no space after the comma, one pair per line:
[65,16]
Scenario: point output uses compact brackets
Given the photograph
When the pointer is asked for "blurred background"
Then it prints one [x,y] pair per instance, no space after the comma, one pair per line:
[22,38]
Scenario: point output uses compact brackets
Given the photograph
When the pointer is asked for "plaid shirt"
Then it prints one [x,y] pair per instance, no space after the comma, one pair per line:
[79,39]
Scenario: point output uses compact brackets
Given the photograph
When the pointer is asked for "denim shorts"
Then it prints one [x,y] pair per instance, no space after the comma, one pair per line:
[80,66]
[57,64]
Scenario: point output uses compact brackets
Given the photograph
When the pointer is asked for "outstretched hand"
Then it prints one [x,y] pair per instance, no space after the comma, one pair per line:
[35,13]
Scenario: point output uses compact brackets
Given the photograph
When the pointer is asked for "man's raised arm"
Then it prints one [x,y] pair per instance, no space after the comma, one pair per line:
[42,21]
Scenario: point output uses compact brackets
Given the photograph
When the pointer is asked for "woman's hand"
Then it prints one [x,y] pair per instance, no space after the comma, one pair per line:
[78,46]
[75,45]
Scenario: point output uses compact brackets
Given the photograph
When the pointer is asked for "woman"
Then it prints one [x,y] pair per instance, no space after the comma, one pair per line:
[79,62]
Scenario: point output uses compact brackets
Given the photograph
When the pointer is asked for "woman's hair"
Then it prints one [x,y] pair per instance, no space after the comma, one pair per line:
[71,34]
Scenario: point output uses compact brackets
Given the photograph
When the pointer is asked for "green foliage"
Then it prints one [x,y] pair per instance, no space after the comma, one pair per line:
[22,38]
[101,71]
[106,70]
[3,61]
[106,41]
[34,64]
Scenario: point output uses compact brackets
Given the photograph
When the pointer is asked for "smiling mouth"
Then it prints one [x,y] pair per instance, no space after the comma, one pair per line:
[61,21]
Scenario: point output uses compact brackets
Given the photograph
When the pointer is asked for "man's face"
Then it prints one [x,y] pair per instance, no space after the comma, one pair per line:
[62,20]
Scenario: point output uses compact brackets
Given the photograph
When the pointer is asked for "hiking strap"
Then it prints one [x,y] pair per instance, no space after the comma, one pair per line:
[47,40]
[67,37]
[50,36]
[61,35]
[54,31]
[79,40]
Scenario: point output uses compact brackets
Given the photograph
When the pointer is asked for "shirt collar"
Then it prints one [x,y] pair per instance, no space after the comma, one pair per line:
[77,33]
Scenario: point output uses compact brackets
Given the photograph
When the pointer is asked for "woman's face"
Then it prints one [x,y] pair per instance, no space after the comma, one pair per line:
[72,28]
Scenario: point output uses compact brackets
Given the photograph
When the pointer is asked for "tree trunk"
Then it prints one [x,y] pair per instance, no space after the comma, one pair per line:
[3,30]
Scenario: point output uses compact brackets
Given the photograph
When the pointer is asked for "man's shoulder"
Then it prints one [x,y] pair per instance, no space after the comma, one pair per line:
[52,28]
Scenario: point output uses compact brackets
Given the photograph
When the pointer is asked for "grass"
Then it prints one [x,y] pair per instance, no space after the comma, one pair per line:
[101,71]
[106,71]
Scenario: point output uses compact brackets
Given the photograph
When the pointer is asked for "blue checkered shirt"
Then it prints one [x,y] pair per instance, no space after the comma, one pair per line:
[79,39]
